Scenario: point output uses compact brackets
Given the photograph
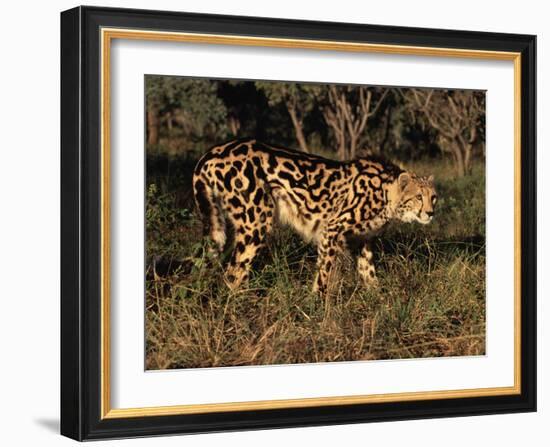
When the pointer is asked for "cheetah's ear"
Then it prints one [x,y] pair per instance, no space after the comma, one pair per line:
[431,179]
[404,179]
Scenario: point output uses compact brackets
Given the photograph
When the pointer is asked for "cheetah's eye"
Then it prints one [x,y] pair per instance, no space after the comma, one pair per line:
[419,197]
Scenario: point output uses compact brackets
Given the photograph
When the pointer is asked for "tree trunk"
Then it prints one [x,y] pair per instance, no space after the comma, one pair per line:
[352,147]
[298,130]
[386,135]
[342,150]
[152,125]
[468,158]
[234,125]
[459,159]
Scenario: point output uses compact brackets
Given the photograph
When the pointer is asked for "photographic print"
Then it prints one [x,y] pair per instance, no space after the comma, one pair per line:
[293,222]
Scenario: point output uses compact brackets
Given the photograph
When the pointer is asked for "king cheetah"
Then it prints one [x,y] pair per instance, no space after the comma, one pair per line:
[249,185]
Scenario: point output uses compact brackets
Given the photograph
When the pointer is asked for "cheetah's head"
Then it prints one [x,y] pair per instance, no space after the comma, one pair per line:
[416,198]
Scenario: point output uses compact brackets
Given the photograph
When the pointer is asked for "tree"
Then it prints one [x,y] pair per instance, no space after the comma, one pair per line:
[299,100]
[347,111]
[242,101]
[190,105]
[456,115]
[154,86]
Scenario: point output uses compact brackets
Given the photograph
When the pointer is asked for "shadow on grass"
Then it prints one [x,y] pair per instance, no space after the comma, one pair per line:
[471,246]
[295,252]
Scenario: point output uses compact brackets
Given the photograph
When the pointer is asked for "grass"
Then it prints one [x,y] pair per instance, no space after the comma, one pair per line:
[430,301]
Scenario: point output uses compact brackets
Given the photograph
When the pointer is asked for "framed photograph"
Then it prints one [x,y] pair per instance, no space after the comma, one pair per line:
[274,223]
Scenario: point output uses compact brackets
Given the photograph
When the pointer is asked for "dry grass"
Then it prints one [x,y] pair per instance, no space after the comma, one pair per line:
[430,301]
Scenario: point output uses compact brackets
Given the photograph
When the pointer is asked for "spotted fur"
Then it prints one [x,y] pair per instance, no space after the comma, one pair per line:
[248,185]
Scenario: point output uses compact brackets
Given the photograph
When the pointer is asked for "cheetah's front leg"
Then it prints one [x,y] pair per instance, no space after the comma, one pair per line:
[329,246]
[365,266]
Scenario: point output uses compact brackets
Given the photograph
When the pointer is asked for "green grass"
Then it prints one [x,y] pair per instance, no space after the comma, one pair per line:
[430,300]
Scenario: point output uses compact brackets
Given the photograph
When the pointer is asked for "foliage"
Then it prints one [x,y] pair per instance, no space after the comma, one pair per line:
[344,121]
[299,100]
[164,223]
[456,116]
[190,106]
[347,110]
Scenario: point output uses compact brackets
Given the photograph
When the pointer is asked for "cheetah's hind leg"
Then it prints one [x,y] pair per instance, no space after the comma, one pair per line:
[365,267]
[249,240]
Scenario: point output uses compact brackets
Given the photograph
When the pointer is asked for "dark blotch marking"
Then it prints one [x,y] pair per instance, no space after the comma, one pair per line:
[241,150]
[258,197]
[249,173]
[227,179]
[289,166]
[235,202]
[256,237]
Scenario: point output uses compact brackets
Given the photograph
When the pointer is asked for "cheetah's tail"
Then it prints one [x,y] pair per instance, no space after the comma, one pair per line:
[203,201]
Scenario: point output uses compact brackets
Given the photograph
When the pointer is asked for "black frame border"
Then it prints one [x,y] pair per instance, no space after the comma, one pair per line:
[81,223]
